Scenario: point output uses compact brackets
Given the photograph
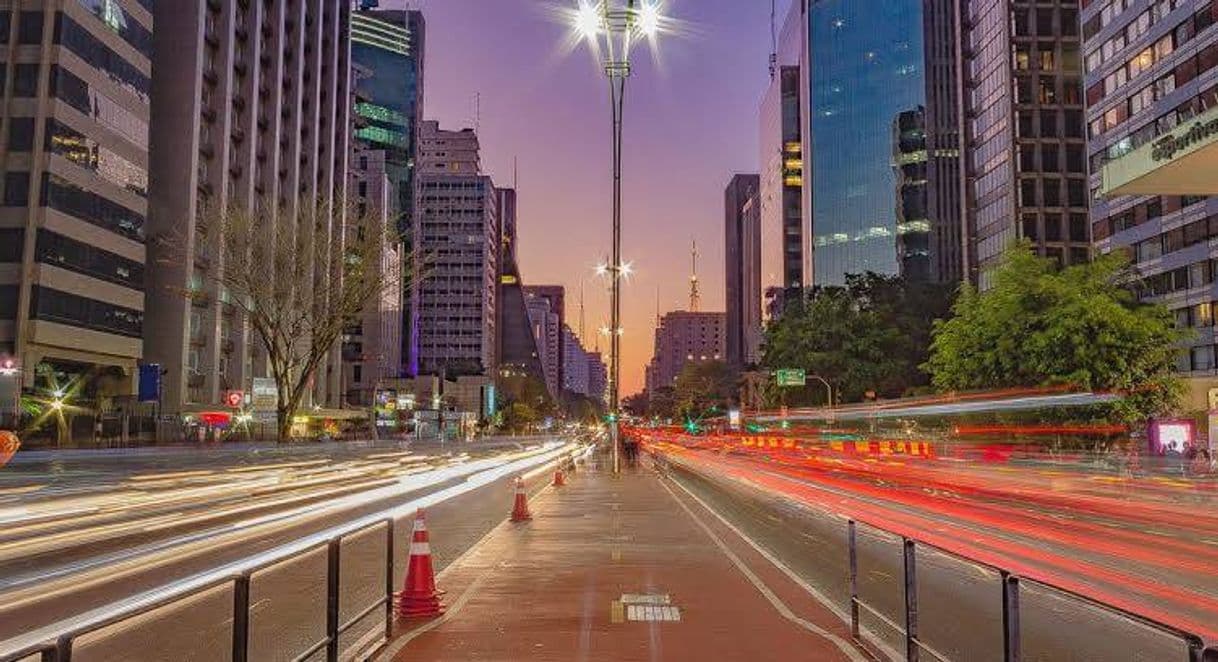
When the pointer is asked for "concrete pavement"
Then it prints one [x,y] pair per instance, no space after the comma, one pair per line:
[621,569]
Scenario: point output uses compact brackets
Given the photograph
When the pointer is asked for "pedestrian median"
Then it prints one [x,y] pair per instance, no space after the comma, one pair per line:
[623,568]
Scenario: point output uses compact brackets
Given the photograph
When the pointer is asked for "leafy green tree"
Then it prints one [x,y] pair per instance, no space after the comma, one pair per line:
[1042,325]
[518,417]
[869,335]
[662,403]
[703,385]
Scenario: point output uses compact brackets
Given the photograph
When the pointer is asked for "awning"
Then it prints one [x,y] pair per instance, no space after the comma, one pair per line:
[1183,162]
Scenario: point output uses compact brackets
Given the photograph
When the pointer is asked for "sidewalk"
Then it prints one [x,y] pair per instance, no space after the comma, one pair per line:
[587,580]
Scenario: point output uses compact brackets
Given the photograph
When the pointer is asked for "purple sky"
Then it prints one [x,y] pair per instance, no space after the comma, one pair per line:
[690,123]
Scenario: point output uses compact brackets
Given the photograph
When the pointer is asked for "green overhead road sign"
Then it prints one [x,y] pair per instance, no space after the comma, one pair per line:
[791,377]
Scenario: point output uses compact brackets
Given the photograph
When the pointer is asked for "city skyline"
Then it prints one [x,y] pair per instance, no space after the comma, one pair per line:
[717,65]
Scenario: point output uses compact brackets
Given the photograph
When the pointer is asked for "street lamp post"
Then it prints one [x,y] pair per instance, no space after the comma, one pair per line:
[827,388]
[620,24]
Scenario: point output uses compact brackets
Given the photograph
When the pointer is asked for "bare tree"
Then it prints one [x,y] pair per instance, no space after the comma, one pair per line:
[301,276]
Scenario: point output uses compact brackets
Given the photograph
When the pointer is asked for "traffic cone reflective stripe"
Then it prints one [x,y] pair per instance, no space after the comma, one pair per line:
[560,480]
[419,597]
[520,508]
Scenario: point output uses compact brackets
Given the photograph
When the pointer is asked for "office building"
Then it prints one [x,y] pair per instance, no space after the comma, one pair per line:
[786,249]
[556,295]
[577,364]
[250,108]
[75,194]
[388,48]
[457,242]
[598,377]
[546,328]
[684,337]
[742,270]
[874,67]
[371,348]
[1152,113]
[1023,118]
[517,347]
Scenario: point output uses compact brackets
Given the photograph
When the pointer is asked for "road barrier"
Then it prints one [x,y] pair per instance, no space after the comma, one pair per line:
[331,592]
[906,599]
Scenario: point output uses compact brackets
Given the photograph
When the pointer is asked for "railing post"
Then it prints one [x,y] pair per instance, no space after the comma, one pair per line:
[241,618]
[332,558]
[1010,618]
[63,648]
[389,551]
[854,578]
[911,603]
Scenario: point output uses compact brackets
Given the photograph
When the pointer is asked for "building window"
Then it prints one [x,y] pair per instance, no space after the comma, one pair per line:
[25,80]
[1203,358]
[16,189]
[63,308]
[29,27]
[21,134]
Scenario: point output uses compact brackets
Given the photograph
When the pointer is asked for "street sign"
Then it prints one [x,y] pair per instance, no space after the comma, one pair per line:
[791,377]
[10,388]
[266,394]
[234,399]
[150,382]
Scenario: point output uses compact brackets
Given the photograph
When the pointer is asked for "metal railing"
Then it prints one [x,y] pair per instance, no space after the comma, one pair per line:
[889,619]
[234,612]
[64,648]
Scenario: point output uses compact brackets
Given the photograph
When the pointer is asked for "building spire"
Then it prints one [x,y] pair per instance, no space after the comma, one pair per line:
[695,298]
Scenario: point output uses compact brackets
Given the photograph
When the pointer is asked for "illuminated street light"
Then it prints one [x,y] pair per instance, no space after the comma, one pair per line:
[621,23]
[57,404]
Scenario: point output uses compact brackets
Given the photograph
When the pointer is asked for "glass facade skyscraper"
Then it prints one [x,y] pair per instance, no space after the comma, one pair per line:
[867,68]
[387,48]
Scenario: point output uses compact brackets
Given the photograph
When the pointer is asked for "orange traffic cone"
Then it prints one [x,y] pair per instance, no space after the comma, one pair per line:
[560,479]
[419,597]
[520,510]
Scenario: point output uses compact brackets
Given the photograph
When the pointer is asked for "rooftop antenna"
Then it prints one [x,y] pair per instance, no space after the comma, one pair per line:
[695,298]
[773,39]
[514,180]
[581,310]
[477,112]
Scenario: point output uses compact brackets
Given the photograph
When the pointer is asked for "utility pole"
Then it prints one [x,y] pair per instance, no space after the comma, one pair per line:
[695,297]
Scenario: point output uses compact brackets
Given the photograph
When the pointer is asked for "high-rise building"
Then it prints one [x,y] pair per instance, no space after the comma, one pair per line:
[872,68]
[598,377]
[457,242]
[556,295]
[75,193]
[742,269]
[371,348]
[684,337]
[388,47]
[250,108]
[517,346]
[576,363]
[546,328]
[1152,112]
[1023,123]
[786,249]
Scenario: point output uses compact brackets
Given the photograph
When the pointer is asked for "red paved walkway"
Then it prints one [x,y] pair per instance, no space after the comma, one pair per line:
[552,589]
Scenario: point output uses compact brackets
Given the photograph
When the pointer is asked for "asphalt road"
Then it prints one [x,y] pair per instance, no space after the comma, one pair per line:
[83,529]
[1146,544]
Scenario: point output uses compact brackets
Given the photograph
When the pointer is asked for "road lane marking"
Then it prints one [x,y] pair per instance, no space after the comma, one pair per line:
[847,648]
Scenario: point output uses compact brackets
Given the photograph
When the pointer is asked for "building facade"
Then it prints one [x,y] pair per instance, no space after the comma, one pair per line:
[388,48]
[1022,98]
[73,222]
[371,349]
[557,297]
[251,109]
[742,269]
[546,326]
[867,67]
[682,337]
[1152,101]
[785,237]
[457,244]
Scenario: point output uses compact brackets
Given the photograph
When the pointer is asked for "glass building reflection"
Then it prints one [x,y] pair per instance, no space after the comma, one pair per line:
[867,79]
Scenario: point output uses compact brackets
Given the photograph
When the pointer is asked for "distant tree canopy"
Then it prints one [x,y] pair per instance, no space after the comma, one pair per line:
[703,386]
[1042,325]
[870,335]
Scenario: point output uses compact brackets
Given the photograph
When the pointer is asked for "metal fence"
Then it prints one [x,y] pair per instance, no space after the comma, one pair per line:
[331,601]
[326,597]
[910,600]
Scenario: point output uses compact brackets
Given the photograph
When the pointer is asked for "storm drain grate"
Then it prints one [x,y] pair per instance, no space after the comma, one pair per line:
[646,607]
